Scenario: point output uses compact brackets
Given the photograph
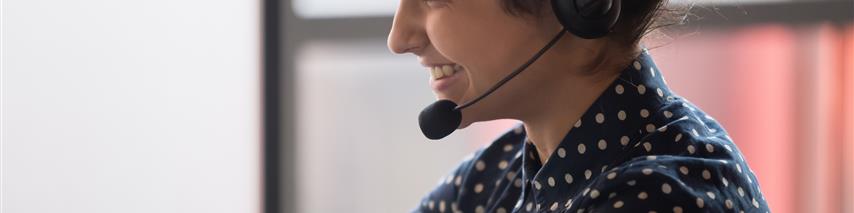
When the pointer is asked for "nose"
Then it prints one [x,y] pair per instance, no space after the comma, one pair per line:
[407,33]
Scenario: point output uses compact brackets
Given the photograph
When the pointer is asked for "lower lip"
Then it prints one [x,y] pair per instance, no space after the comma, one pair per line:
[443,84]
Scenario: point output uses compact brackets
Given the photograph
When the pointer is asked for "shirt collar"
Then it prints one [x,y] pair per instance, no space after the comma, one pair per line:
[610,127]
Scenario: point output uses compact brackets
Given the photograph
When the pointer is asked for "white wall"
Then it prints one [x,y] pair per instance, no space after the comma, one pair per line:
[359,148]
[130,106]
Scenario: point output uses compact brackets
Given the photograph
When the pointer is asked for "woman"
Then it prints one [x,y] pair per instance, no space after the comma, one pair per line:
[601,130]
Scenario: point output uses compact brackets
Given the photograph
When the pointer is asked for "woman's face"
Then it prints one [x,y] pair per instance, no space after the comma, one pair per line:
[468,46]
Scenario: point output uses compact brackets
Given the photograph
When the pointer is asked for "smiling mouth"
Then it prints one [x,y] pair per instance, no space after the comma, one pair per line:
[443,71]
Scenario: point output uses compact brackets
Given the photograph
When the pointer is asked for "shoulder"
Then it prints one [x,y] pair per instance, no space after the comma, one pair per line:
[686,164]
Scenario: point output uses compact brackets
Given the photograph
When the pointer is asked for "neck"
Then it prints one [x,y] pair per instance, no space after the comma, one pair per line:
[560,102]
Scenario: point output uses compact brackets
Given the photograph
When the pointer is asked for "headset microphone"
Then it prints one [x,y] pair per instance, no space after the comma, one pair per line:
[584,18]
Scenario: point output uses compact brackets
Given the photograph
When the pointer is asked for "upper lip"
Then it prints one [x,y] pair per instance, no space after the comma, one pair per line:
[435,64]
[429,65]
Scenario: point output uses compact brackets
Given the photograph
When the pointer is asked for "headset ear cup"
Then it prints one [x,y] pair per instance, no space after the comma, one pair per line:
[570,15]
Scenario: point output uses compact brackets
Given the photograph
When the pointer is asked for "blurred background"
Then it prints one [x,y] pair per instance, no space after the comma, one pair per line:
[298,106]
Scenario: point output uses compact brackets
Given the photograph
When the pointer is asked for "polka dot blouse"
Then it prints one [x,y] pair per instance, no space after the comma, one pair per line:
[638,148]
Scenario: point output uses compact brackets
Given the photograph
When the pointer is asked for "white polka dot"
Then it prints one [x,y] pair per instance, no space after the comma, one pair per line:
[537,185]
[660,93]
[691,149]
[624,140]
[619,89]
[652,72]
[511,175]
[517,183]
[647,171]
[458,180]
[587,174]
[502,164]
[442,206]
[728,203]
[711,195]
[600,118]
[738,168]
[647,146]
[568,178]
[603,144]
[725,181]
[650,127]
[643,195]
[710,148]
[740,192]
[431,205]
[621,115]
[644,113]
[631,182]
[666,188]
[551,181]
[561,152]
[529,207]
[755,204]
[641,89]
[678,137]
[637,65]
[612,175]
[577,123]
[668,114]
[478,188]
[553,207]
[581,148]
[684,170]
[694,131]
[677,209]
[480,165]
[501,210]
[706,174]
[594,194]
[508,148]
[700,202]
[479,209]
[618,204]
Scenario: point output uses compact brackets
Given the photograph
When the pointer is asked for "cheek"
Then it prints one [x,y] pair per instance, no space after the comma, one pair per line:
[451,38]
[476,48]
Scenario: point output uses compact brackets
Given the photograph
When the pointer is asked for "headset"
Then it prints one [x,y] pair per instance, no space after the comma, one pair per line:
[588,19]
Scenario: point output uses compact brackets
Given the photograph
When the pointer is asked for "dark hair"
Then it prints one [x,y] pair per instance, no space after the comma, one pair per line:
[637,18]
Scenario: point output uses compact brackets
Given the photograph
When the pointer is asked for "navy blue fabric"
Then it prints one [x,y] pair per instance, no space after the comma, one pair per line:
[638,148]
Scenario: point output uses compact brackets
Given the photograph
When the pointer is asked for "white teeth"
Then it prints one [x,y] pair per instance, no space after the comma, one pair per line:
[436,73]
[447,70]
[442,71]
